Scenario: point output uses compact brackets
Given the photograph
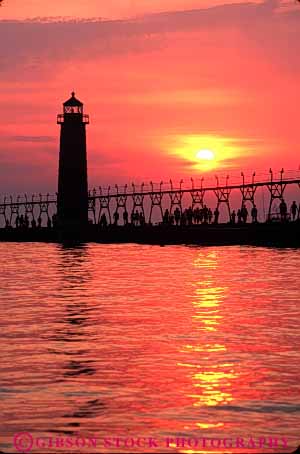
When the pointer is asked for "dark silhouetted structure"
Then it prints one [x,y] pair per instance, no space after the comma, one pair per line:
[115,214]
[72,198]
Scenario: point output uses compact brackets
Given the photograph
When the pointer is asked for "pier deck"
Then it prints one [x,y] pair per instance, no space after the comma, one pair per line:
[264,234]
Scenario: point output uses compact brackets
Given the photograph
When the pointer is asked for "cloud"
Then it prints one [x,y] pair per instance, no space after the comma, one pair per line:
[33,139]
[36,43]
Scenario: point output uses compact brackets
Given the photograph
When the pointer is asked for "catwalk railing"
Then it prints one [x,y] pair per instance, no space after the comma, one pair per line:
[159,196]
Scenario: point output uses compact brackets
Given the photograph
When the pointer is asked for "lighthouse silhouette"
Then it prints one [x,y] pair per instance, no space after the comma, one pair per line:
[72,198]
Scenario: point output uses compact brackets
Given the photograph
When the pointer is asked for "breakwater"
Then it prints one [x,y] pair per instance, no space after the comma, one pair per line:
[260,234]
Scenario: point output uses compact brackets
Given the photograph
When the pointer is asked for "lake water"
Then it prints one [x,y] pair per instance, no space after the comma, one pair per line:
[162,348]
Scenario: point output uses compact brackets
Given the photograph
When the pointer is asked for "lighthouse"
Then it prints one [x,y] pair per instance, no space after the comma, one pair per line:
[72,198]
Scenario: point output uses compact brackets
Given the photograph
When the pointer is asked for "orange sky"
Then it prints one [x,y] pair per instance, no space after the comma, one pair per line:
[161,80]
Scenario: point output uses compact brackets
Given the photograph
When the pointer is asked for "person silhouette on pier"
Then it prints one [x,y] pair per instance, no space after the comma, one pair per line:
[197,215]
[166,216]
[244,213]
[239,216]
[210,215]
[142,219]
[254,214]
[132,217]
[294,210]
[125,217]
[189,215]
[177,216]
[33,223]
[21,221]
[17,222]
[103,220]
[49,223]
[183,219]
[216,215]
[54,220]
[233,216]
[39,223]
[205,214]
[201,215]
[283,210]
[116,217]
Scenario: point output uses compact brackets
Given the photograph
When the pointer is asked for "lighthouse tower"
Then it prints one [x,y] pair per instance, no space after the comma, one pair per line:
[72,199]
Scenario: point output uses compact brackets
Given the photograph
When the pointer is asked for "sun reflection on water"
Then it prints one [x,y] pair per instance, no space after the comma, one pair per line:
[211,376]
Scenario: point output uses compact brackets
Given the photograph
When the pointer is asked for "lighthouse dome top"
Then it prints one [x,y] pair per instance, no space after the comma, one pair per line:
[73,102]
[73,112]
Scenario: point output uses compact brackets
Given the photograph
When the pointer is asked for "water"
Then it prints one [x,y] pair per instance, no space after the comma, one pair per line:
[128,341]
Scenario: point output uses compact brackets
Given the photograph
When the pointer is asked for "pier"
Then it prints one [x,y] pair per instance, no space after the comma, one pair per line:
[243,209]
[150,203]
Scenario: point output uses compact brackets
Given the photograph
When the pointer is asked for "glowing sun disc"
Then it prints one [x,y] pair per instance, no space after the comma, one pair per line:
[207,155]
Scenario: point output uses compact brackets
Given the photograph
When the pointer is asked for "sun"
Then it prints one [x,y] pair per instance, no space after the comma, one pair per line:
[205,154]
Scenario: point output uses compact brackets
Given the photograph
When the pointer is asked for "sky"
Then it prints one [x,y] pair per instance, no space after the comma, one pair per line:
[162,80]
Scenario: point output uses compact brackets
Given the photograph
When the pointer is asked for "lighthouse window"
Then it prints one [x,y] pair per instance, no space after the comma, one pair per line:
[73,109]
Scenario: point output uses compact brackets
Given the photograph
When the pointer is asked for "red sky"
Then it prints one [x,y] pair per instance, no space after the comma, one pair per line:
[161,80]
